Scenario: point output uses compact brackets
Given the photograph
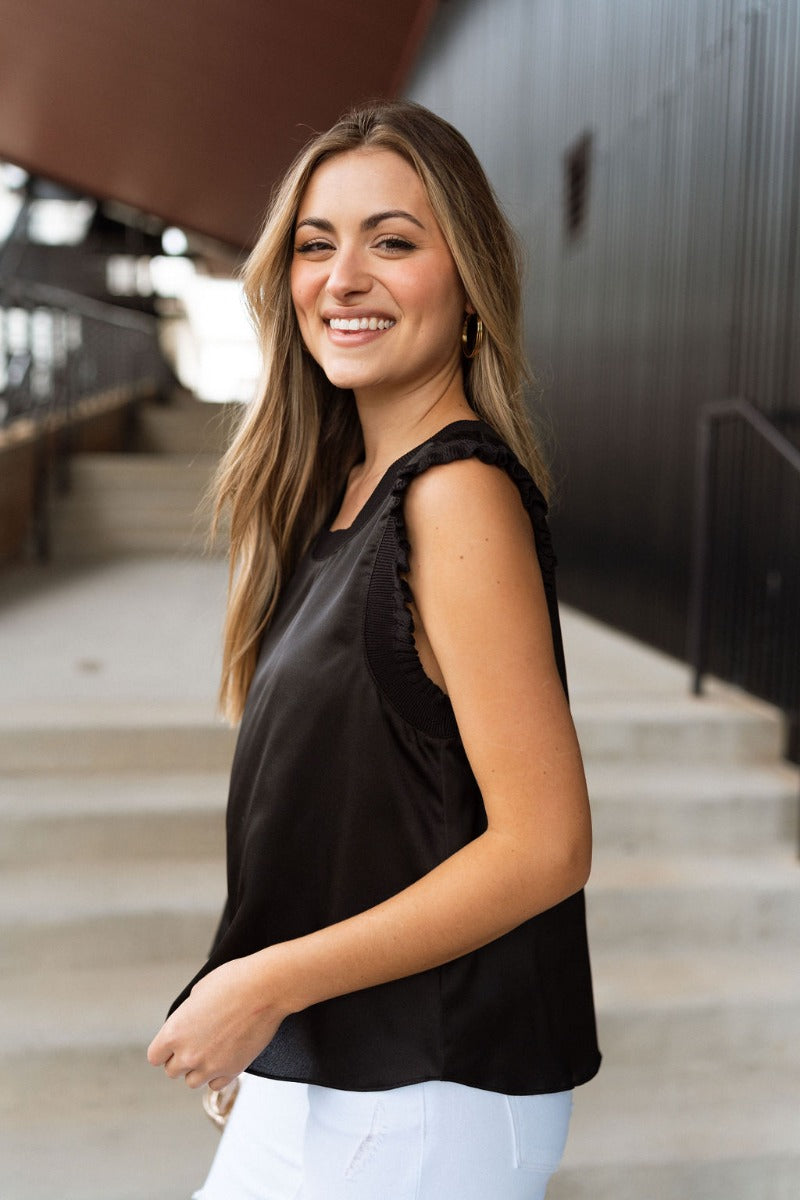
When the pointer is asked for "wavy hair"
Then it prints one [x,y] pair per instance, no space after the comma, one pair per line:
[300,437]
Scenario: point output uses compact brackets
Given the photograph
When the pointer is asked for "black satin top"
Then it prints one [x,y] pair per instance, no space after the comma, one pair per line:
[349,782]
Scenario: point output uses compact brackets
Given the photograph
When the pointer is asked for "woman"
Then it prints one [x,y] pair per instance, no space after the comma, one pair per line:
[402,965]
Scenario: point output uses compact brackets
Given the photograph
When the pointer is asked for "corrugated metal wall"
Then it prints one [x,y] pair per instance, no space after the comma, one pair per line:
[680,287]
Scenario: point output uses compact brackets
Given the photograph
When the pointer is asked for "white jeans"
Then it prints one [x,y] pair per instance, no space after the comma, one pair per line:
[428,1141]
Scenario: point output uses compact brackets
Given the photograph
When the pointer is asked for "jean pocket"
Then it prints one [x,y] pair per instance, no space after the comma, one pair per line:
[540,1125]
[369,1145]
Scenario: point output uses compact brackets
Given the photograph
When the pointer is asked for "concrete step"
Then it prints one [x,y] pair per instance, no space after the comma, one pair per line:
[126,1133]
[118,473]
[103,1150]
[148,907]
[55,818]
[163,1132]
[741,1009]
[689,1007]
[666,902]
[767,1176]
[737,1005]
[708,1130]
[159,736]
[180,813]
[152,508]
[103,1011]
[189,428]
[639,1129]
[656,734]
[80,914]
[727,727]
[79,546]
[133,504]
[693,807]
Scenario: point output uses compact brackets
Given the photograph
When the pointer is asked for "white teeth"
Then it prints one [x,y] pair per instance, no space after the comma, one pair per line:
[354,324]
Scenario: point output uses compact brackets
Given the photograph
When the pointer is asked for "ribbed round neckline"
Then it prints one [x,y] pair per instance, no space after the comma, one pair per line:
[328,541]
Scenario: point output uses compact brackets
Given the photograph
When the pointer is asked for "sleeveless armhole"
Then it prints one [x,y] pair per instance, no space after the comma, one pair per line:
[389,626]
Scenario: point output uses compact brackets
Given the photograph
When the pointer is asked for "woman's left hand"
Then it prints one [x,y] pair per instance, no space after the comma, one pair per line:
[220,1028]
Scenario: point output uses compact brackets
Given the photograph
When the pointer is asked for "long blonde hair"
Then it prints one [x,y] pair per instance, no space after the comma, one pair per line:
[301,436]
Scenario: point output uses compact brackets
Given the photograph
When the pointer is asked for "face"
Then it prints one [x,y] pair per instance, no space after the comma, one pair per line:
[375,289]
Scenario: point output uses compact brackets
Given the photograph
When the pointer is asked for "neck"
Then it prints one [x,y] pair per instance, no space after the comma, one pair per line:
[393,424]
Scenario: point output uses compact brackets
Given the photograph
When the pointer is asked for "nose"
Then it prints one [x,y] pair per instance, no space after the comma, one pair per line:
[348,273]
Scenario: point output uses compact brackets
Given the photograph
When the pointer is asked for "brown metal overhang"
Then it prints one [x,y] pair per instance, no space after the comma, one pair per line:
[190,109]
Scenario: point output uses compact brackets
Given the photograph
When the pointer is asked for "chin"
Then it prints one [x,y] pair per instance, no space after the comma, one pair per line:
[347,379]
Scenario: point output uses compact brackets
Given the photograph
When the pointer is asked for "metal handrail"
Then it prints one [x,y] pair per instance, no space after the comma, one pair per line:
[125,348]
[49,296]
[710,416]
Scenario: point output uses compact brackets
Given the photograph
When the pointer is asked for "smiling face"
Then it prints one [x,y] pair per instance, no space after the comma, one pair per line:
[375,289]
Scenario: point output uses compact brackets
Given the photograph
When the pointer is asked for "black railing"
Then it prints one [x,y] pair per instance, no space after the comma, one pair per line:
[65,357]
[58,347]
[744,615]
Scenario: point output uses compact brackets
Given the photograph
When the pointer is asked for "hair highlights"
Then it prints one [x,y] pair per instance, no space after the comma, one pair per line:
[301,435]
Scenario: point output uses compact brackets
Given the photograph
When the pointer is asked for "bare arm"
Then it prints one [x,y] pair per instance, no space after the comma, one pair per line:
[480,601]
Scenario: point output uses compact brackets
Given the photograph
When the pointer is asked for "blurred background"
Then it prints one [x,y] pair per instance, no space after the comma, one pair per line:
[647,152]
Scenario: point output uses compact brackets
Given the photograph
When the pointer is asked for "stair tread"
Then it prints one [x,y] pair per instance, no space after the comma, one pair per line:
[694,979]
[59,893]
[105,459]
[726,704]
[36,716]
[101,1144]
[111,794]
[770,870]
[659,1113]
[105,1006]
[97,1007]
[135,790]
[648,783]
[627,1115]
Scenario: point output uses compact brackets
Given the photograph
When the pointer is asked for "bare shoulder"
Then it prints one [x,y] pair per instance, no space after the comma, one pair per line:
[464,502]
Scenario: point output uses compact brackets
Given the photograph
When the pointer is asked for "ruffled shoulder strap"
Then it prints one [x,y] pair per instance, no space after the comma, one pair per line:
[389,625]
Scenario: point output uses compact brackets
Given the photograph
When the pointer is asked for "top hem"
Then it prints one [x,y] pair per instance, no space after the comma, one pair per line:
[545,1088]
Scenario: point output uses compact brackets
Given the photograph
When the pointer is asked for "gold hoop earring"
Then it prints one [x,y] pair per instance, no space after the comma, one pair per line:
[475,350]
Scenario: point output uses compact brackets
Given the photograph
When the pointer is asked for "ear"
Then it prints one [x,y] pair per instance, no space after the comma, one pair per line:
[469,307]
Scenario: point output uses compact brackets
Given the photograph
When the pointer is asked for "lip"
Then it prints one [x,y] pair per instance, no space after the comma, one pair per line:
[353,339]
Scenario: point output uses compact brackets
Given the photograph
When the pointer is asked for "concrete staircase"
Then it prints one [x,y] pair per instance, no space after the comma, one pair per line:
[111,815]
[113,780]
[152,501]
[110,888]
[694,919]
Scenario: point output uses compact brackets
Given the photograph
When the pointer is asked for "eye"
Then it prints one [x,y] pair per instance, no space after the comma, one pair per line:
[395,244]
[313,246]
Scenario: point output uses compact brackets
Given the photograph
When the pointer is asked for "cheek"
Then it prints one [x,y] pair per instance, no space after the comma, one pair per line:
[435,294]
[448,303]
[443,287]
[303,291]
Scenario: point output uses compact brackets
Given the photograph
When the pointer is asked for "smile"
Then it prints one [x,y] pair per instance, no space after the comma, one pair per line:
[355,324]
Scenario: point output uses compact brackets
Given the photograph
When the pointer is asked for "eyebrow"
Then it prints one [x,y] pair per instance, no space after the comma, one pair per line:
[367,224]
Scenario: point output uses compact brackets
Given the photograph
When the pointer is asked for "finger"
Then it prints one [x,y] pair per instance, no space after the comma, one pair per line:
[220,1082]
[158,1051]
[195,1078]
[174,1068]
